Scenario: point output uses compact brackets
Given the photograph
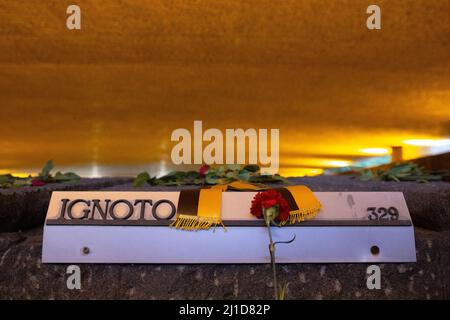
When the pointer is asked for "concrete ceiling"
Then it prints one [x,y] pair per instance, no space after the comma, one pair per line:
[113,92]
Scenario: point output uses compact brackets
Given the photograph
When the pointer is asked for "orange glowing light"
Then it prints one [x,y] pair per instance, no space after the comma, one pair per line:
[300,172]
[375,151]
[427,142]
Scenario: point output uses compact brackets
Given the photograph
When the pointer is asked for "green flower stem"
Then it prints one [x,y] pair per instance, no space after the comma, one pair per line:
[272,258]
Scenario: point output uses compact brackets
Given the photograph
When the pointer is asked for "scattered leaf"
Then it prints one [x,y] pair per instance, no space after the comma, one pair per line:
[252,168]
[141,179]
[399,172]
[9,181]
[45,172]
[210,176]
[66,177]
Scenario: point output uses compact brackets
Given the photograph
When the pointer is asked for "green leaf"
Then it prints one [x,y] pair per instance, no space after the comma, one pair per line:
[367,175]
[392,177]
[152,181]
[190,178]
[6,178]
[234,167]
[21,183]
[6,181]
[244,175]
[399,172]
[45,172]
[175,174]
[215,175]
[66,177]
[217,180]
[141,179]
[232,174]
[220,170]
[198,181]
[252,168]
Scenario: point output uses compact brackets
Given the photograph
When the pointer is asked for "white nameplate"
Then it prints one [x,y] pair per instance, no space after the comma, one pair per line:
[350,227]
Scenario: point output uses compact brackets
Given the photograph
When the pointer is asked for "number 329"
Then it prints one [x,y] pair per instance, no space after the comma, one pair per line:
[382,213]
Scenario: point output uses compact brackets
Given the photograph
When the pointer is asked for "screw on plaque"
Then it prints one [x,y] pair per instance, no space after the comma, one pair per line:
[375,250]
[85,250]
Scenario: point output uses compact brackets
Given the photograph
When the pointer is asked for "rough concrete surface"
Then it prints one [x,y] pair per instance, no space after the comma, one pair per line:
[23,276]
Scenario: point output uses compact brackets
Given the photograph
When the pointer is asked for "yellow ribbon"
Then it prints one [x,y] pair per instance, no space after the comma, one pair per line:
[210,205]
[307,203]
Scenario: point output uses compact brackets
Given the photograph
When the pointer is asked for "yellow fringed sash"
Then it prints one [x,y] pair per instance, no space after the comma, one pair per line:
[200,209]
[307,204]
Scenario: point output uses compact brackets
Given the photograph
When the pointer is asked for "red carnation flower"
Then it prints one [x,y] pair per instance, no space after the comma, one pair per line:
[37,183]
[203,169]
[268,199]
[269,203]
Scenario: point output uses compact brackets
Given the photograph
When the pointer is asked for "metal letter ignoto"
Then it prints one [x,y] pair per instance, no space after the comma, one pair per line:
[127,216]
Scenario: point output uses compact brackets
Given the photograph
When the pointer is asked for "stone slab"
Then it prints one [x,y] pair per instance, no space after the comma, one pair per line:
[23,276]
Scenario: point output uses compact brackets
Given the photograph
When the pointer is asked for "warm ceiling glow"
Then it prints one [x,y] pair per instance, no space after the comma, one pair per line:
[427,142]
[313,162]
[375,151]
[337,163]
[110,106]
[16,174]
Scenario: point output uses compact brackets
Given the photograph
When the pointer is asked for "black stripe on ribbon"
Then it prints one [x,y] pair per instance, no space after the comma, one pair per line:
[289,198]
[188,202]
